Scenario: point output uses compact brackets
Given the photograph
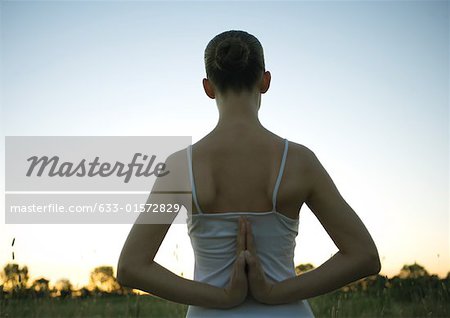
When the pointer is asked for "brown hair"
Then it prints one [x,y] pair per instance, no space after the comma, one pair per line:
[234,60]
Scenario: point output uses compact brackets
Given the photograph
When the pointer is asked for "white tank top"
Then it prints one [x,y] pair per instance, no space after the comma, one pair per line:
[213,238]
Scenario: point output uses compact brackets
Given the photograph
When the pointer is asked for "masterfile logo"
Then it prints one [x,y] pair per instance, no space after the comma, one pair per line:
[95,168]
[99,179]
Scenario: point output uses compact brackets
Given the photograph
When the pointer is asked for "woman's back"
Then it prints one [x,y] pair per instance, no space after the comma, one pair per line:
[213,232]
[239,172]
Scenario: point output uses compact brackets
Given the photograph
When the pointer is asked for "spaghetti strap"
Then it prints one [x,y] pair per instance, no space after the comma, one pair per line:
[275,190]
[280,174]
[191,178]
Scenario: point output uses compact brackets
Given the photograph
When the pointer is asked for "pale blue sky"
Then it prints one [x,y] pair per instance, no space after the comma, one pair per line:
[362,84]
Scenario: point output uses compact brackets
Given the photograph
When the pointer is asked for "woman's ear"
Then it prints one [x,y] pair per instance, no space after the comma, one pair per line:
[265,82]
[209,89]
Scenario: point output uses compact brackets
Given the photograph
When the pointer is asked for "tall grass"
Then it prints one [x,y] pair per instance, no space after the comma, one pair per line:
[336,304]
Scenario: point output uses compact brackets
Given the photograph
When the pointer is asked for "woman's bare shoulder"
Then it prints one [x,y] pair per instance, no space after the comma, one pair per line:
[300,153]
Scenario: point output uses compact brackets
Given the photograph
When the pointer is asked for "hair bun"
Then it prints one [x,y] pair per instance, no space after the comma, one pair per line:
[232,55]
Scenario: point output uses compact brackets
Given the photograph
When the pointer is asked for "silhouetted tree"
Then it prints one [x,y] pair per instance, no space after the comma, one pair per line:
[15,279]
[302,268]
[377,284]
[2,292]
[40,287]
[413,271]
[102,280]
[84,292]
[63,288]
[413,283]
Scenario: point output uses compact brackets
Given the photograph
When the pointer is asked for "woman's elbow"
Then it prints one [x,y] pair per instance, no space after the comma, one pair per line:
[372,263]
[123,275]
[126,272]
[131,272]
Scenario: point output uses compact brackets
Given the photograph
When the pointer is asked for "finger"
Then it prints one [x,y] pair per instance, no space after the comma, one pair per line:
[239,267]
[240,245]
[238,239]
[241,262]
[249,259]
[256,272]
[240,258]
[250,243]
[253,262]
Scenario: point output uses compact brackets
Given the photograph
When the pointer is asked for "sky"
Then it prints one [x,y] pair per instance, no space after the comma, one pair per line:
[364,84]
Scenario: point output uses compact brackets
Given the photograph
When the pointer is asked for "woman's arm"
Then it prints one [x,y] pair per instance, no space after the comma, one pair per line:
[338,271]
[357,256]
[137,268]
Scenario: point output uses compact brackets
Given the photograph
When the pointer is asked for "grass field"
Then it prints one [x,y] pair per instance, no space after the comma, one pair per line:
[337,304]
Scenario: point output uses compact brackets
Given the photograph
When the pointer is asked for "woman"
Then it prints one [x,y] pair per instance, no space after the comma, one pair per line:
[248,186]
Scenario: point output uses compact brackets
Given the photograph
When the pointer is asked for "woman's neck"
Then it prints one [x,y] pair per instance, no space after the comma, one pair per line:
[238,110]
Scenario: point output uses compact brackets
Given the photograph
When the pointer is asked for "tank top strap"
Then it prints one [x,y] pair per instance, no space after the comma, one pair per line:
[191,178]
[280,175]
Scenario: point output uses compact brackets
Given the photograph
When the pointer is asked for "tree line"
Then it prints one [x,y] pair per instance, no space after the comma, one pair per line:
[412,283]
[16,284]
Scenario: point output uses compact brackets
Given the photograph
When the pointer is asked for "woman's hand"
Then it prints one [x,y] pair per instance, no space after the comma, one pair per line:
[236,290]
[254,279]
[259,286]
